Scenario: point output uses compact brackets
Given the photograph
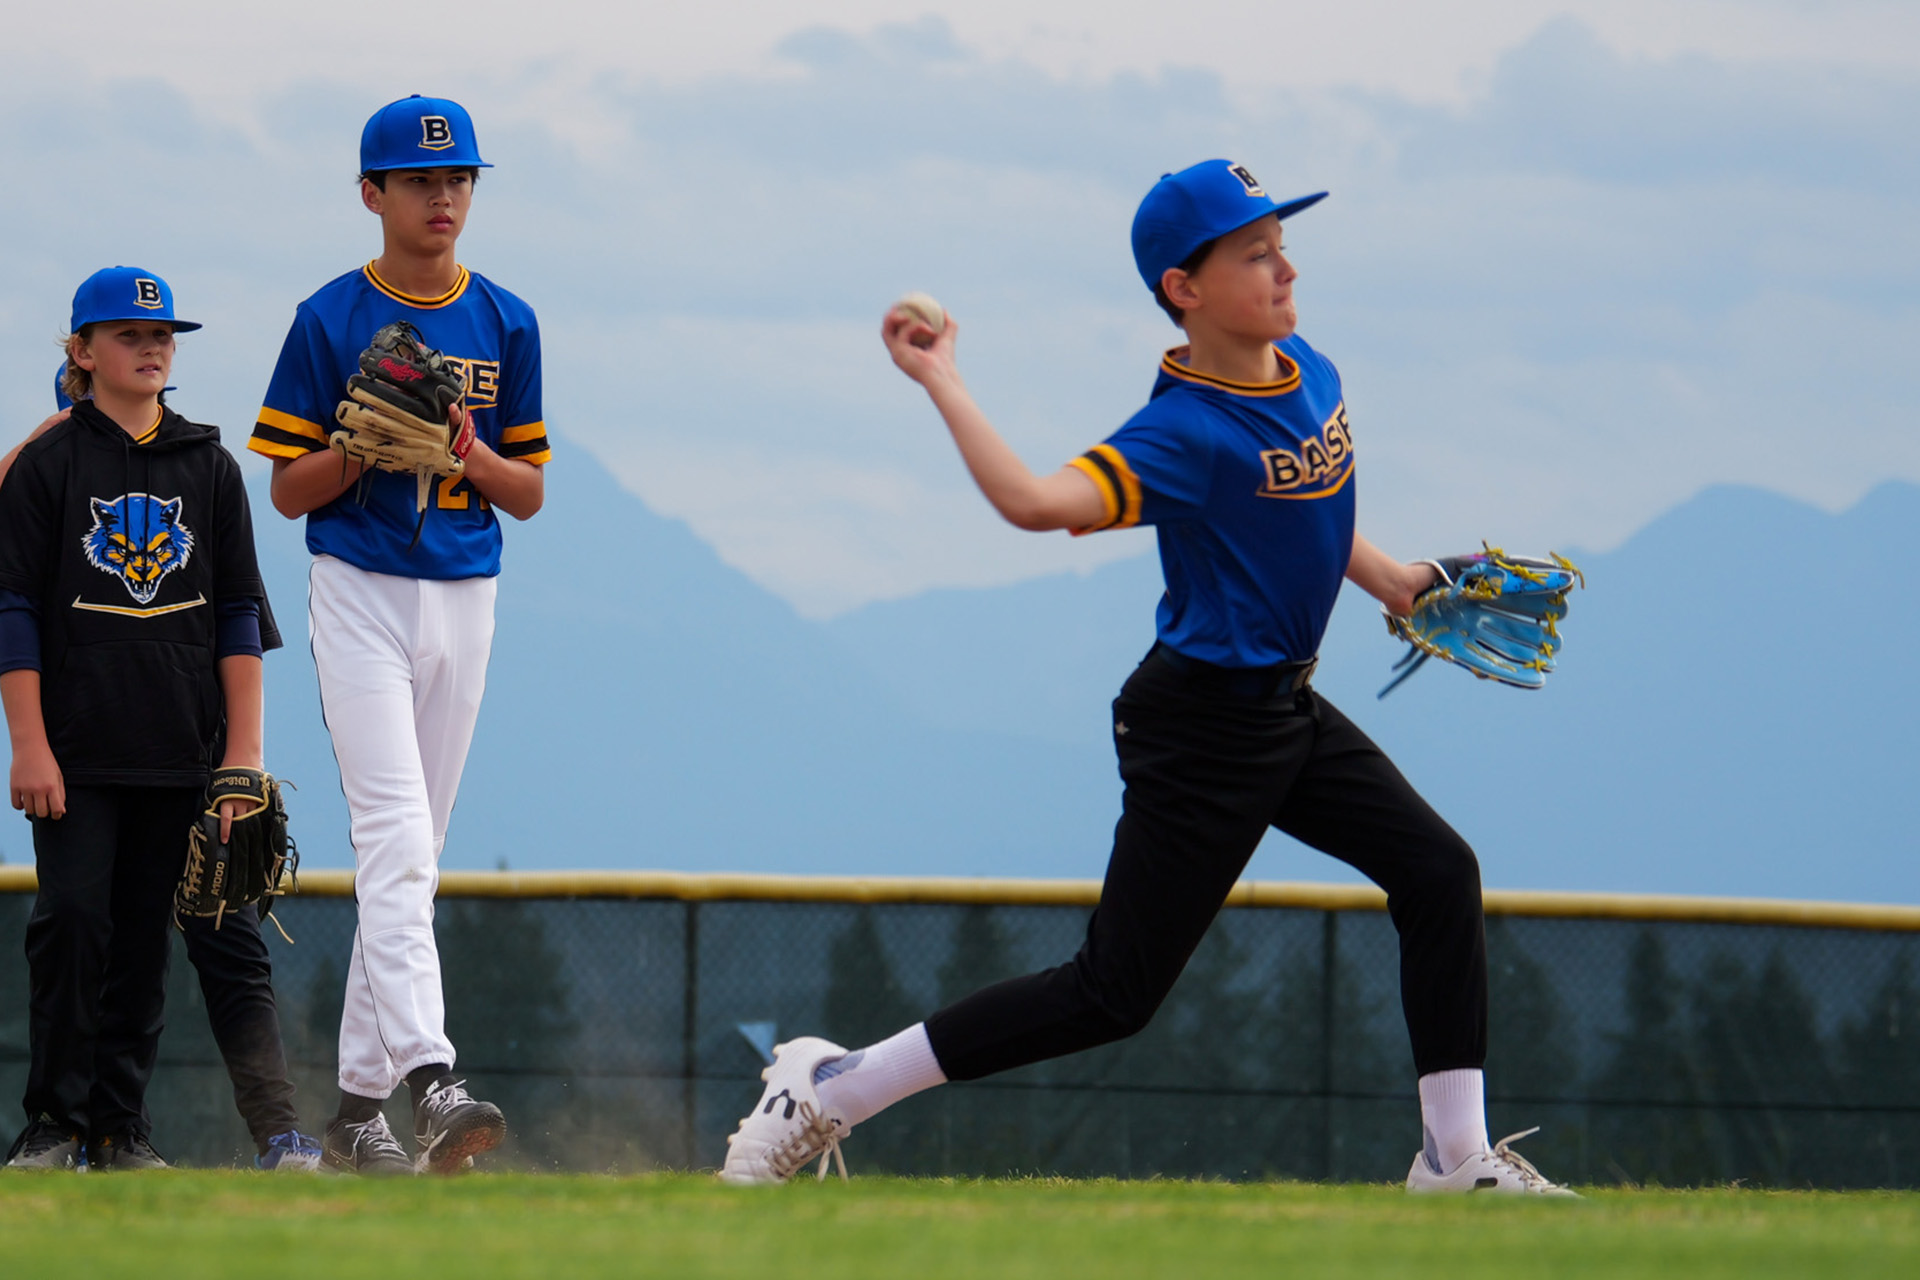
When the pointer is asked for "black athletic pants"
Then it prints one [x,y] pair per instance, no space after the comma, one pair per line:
[1206,771]
[236,980]
[98,942]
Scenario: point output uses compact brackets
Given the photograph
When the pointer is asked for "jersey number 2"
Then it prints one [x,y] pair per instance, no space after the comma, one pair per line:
[455,494]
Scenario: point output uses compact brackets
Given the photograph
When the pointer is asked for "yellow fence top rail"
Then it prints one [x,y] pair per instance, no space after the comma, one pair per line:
[689,887]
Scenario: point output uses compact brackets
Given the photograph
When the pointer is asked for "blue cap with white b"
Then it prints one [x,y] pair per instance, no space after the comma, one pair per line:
[1186,209]
[124,293]
[420,133]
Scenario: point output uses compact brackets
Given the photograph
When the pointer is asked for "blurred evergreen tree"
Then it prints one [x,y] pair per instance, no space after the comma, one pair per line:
[1533,1066]
[1335,1061]
[312,1029]
[509,1015]
[987,1126]
[1531,1052]
[1879,1055]
[1649,1126]
[1186,1090]
[978,954]
[1762,1062]
[865,1002]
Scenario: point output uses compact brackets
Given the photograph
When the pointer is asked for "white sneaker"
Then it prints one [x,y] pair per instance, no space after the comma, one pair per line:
[787,1128]
[1500,1171]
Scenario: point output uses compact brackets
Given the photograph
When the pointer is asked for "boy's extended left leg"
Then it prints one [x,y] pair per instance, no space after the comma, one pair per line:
[1351,802]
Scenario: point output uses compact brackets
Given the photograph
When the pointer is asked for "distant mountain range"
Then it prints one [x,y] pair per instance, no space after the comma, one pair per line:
[1716,725]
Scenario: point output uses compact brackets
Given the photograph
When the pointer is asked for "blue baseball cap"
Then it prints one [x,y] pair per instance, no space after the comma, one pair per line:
[124,293]
[1186,209]
[420,133]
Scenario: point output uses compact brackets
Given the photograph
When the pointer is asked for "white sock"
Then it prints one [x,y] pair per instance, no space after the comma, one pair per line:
[1453,1112]
[868,1081]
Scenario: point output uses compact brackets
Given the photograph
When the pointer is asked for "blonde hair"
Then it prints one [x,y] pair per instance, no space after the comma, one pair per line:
[76,383]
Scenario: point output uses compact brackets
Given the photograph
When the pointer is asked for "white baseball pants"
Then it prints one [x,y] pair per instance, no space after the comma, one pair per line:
[402,664]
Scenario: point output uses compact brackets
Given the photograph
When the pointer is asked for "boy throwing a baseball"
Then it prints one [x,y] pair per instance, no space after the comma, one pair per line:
[1243,459]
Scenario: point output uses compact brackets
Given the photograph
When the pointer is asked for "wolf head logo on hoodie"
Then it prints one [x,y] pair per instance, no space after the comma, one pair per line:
[139,539]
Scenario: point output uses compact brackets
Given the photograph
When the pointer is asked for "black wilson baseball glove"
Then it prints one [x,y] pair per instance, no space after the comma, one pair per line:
[395,416]
[222,877]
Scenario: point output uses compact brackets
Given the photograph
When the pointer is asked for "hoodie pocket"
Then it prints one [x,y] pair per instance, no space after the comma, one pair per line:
[134,705]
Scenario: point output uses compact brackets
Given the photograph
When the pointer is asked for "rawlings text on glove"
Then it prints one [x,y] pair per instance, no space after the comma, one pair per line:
[397,410]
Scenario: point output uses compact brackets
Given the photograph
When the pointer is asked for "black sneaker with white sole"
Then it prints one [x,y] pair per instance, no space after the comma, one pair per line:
[123,1153]
[450,1127]
[366,1147]
[46,1143]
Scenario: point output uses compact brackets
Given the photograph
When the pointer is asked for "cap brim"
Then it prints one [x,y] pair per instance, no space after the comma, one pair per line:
[179,327]
[1291,207]
[427,168]
[1282,210]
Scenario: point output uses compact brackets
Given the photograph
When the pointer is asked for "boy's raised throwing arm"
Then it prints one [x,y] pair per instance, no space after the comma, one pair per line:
[1066,499]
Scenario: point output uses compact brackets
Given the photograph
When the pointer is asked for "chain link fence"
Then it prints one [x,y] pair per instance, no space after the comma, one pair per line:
[622,1028]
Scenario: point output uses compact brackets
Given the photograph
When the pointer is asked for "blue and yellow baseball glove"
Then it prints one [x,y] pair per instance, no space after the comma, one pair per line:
[1494,614]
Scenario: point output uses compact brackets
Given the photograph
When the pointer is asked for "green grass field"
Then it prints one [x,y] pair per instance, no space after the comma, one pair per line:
[218,1224]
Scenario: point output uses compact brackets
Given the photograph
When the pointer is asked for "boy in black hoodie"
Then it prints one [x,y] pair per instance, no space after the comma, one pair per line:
[132,623]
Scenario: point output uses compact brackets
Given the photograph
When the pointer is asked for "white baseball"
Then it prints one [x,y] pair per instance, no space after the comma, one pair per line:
[922,307]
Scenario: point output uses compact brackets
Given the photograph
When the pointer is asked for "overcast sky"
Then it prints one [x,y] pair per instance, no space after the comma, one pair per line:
[1581,258]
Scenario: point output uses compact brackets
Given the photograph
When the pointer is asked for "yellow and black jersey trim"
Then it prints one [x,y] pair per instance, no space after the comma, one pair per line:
[425,304]
[281,435]
[1172,364]
[148,436]
[1119,487]
[526,443]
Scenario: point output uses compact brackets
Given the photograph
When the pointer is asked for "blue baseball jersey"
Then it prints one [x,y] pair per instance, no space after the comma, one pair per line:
[1250,489]
[486,333]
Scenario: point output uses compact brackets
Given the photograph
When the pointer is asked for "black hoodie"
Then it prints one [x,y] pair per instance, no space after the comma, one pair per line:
[128,548]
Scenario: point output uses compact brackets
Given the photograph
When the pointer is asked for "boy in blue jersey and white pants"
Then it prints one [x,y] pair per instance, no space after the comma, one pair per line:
[402,630]
[1243,460]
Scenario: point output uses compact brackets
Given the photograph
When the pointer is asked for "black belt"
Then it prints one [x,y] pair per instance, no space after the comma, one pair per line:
[1245,682]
